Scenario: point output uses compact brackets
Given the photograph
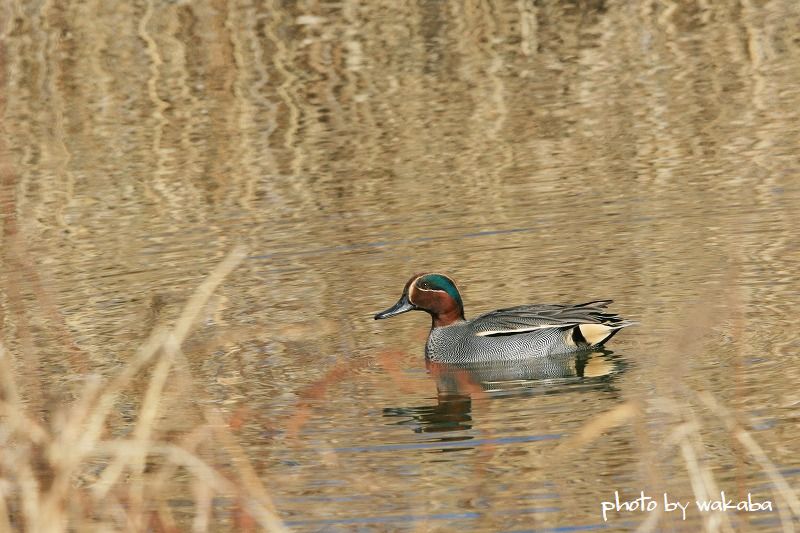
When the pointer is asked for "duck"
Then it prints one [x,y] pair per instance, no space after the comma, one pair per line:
[511,334]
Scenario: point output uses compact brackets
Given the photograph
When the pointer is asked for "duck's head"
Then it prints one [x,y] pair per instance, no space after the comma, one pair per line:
[435,293]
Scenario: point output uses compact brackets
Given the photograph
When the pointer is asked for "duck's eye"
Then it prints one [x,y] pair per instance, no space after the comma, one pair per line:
[424,285]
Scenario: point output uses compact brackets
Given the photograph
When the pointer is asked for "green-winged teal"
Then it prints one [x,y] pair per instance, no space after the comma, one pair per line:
[506,334]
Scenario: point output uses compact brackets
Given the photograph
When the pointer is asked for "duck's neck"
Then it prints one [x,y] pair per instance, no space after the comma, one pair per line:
[445,318]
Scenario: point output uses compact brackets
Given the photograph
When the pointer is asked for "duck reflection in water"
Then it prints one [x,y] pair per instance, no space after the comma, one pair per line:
[458,384]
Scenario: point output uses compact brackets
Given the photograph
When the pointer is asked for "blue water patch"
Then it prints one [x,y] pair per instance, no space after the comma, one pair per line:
[386,243]
[562,529]
[320,499]
[472,443]
[497,232]
[467,515]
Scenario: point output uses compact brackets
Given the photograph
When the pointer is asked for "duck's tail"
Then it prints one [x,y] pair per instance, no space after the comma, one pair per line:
[598,334]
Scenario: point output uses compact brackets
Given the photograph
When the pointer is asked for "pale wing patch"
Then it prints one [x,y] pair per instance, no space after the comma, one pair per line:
[517,330]
[595,333]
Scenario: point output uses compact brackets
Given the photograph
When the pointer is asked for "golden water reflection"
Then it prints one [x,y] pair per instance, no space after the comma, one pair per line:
[537,151]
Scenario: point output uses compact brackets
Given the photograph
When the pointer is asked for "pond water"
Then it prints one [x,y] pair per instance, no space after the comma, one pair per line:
[538,152]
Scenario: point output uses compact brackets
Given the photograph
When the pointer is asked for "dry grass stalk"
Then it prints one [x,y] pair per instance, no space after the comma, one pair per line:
[780,486]
[701,479]
[599,425]
[41,464]
[687,427]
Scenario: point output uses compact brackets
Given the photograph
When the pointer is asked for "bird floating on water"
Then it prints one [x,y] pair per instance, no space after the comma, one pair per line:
[536,330]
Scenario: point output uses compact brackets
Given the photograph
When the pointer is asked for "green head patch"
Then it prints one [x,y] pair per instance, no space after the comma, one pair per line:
[440,282]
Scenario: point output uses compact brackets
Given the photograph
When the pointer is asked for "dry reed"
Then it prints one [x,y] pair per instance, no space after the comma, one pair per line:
[677,408]
[43,464]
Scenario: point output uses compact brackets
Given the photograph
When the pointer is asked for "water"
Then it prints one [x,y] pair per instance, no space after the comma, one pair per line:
[535,151]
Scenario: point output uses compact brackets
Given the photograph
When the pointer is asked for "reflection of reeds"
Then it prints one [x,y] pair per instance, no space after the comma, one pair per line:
[44,466]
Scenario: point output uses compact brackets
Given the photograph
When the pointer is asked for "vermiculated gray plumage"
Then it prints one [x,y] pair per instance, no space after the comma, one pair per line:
[522,332]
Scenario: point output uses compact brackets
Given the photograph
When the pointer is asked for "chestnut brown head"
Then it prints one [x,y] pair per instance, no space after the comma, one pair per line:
[436,294]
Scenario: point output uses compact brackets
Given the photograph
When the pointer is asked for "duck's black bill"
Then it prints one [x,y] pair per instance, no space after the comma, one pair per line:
[401,306]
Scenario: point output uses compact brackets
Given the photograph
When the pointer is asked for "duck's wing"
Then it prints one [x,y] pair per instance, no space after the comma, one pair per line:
[589,321]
